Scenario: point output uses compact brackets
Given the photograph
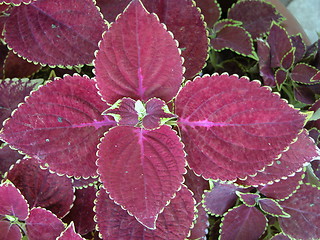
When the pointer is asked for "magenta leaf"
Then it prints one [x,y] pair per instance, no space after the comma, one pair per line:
[282,189]
[69,32]
[249,199]
[43,224]
[9,231]
[13,92]
[81,212]
[258,20]
[304,209]
[243,222]
[70,234]
[7,158]
[223,126]
[301,152]
[173,223]
[235,38]
[12,203]
[272,207]
[280,44]
[120,74]
[221,198]
[135,168]
[210,10]
[42,188]
[157,113]
[63,118]
[304,73]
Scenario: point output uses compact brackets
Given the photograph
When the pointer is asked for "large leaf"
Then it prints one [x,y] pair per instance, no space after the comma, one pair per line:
[138,58]
[173,223]
[61,32]
[233,125]
[61,125]
[9,231]
[141,169]
[42,188]
[304,209]
[243,223]
[12,202]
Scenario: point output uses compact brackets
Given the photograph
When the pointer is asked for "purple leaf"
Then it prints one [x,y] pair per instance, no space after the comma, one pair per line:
[304,209]
[210,10]
[157,113]
[196,184]
[288,59]
[304,94]
[61,119]
[42,188]
[9,231]
[304,73]
[223,126]
[173,223]
[12,202]
[200,228]
[280,44]
[148,65]
[70,234]
[282,189]
[7,158]
[220,198]
[235,38]
[265,69]
[297,42]
[81,212]
[258,20]
[280,77]
[60,32]
[291,161]
[42,224]
[138,166]
[249,199]
[272,207]
[243,222]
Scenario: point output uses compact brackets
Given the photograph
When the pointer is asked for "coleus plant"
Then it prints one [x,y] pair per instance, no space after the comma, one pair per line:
[133,128]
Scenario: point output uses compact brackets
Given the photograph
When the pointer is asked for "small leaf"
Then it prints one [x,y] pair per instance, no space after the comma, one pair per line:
[211,11]
[288,59]
[272,207]
[12,203]
[42,224]
[196,184]
[70,234]
[224,126]
[120,74]
[9,231]
[61,125]
[138,166]
[235,38]
[280,77]
[304,73]
[243,222]
[304,209]
[266,72]
[7,158]
[173,223]
[258,20]
[249,199]
[304,94]
[300,46]
[200,228]
[69,33]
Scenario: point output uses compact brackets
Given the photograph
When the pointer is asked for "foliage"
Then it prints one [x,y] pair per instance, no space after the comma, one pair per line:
[141,128]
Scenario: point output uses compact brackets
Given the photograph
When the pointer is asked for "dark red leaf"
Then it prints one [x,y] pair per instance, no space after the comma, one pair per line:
[258,19]
[17,67]
[210,10]
[303,73]
[280,77]
[282,189]
[196,184]
[81,212]
[300,46]
[139,166]
[288,59]
[304,94]
[223,126]
[7,158]
[60,32]
[243,223]
[42,224]
[12,203]
[249,199]
[235,38]
[279,43]
[304,209]
[266,71]
[152,69]
[222,197]
[272,207]
[9,231]
[70,234]
[173,223]
[301,152]
[42,188]
[61,125]
[200,228]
